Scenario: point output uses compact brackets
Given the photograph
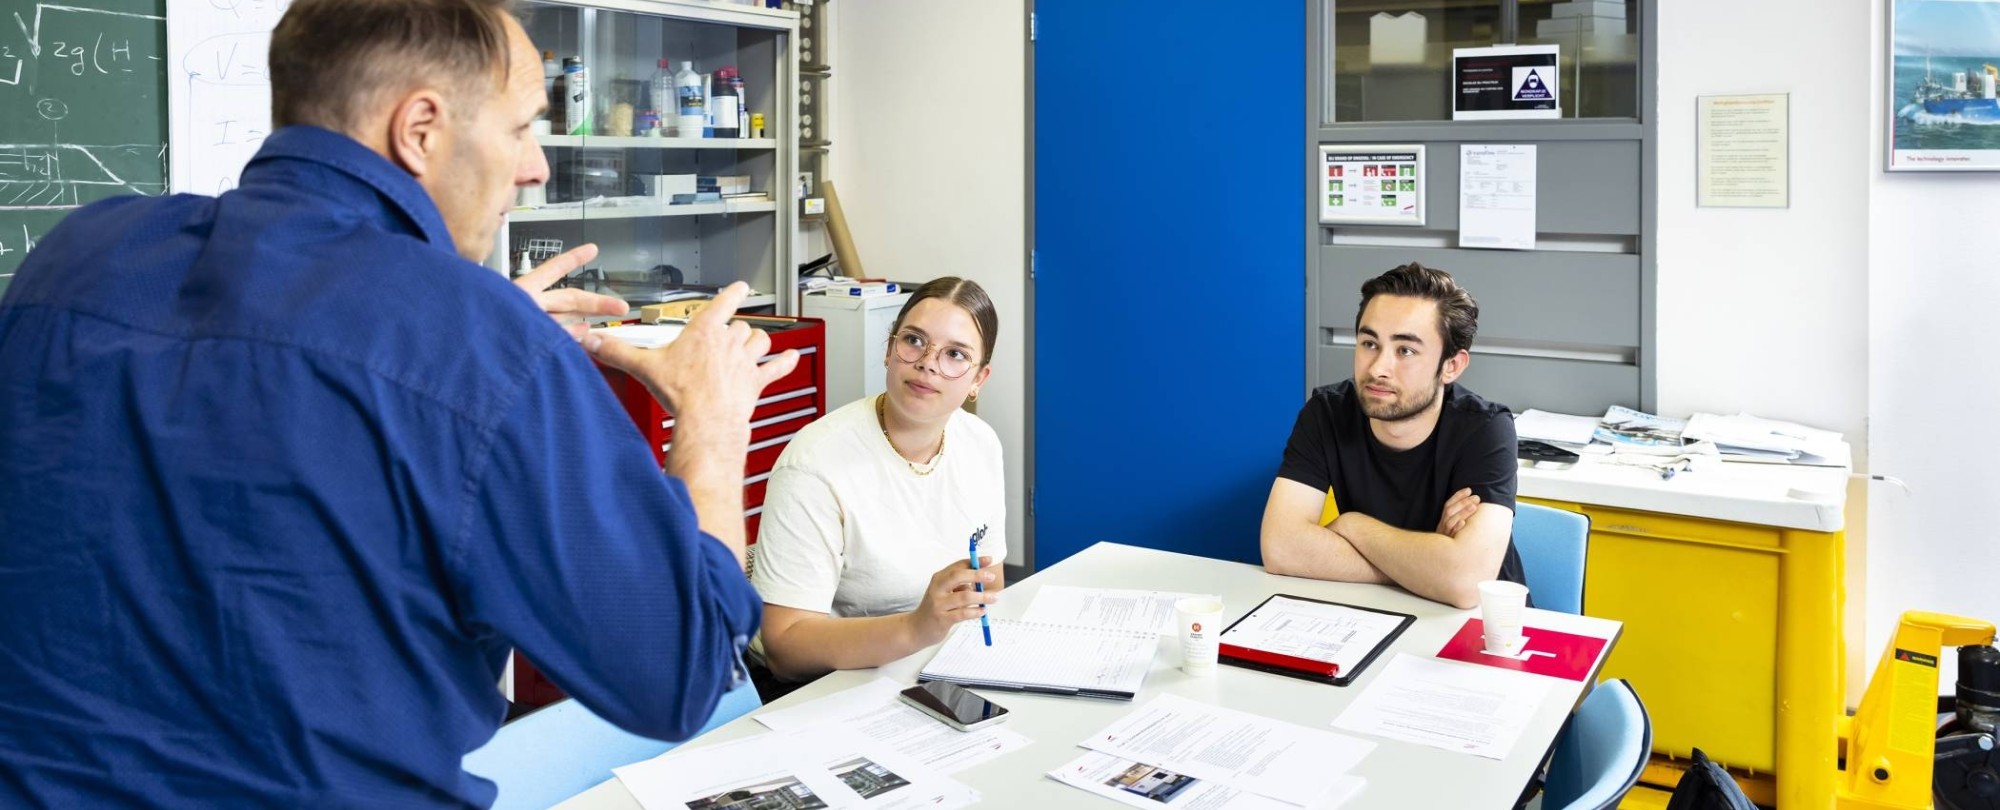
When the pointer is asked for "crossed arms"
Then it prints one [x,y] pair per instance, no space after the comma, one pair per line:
[1446,565]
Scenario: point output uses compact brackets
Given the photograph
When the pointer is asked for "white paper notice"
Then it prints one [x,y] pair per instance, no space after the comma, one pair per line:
[218,90]
[873,711]
[1445,704]
[1142,785]
[809,769]
[1496,196]
[1274,759]
[1138,611]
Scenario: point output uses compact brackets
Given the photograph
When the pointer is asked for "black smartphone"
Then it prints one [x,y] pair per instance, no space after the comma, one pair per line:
[954,705]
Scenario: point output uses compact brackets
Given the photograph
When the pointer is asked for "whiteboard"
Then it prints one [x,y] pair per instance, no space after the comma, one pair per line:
[218,89]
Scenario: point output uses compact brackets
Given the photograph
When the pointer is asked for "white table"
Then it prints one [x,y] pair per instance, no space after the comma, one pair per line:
[1400,775]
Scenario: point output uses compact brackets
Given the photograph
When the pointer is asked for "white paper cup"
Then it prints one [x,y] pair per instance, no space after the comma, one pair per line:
[1501,604]
[1200,621]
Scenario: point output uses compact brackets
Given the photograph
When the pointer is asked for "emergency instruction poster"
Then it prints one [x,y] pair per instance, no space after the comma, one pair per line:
[1509,81]
[1371,184]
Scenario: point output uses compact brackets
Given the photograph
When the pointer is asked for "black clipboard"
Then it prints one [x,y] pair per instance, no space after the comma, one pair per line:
[1275,663]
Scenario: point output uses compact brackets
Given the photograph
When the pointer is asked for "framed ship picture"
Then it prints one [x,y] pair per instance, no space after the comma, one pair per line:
[1944,85]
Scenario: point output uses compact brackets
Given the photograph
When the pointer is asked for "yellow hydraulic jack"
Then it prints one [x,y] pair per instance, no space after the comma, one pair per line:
[1893,744]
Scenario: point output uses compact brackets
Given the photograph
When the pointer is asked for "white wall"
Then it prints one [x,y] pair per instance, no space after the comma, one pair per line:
[930,160]
[1933,283]
[1765,311]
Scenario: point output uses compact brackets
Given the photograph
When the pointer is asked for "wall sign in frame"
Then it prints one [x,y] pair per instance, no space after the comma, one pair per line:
[1506,82]
[1371,184]
[1944,91]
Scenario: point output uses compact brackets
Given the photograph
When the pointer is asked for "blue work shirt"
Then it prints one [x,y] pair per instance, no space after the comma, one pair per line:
[283,477]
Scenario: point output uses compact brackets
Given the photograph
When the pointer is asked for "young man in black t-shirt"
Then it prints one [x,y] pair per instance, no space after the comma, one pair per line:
[1400,475]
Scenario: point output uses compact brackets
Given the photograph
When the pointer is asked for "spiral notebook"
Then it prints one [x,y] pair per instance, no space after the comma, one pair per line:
[1054,659]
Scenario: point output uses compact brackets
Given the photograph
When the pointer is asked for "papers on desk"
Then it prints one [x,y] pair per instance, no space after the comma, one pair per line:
[1560,428]
[1445,704]
[819,769]
[1143,785]
[1135,611]
[1047,658]
[1243,751]
[1748,437]
[873,711]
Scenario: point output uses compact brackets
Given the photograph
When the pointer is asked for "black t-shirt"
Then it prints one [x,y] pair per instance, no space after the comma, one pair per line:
[1473,446]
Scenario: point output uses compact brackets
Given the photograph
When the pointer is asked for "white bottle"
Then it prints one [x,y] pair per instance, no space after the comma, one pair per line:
[692,102]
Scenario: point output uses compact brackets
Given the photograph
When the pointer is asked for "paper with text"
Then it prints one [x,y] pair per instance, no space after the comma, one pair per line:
[874,711]
[1034,655]
[815,769]
[1337,634]
[1496,196]
[1445,704]
[1137,611]
[1142,785]
[1272,758]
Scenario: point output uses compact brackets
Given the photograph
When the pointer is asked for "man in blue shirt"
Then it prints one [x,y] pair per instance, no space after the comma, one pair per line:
[286,473]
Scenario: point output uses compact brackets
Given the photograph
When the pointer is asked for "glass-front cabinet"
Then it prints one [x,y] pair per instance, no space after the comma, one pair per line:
[1391,59]
[672,146]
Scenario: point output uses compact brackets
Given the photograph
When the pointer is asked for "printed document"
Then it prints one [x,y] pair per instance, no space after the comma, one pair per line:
[1445,704]
[1138,611]
[1142,785]
[1336,634]
[1496,196]
[811,769]
[874,711]
[1059,658]
[1272,758]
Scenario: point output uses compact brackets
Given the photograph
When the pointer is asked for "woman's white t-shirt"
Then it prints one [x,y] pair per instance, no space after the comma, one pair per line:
[849,530]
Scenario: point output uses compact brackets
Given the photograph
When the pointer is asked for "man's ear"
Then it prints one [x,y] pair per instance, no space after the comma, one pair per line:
[417,132]
[1454,366]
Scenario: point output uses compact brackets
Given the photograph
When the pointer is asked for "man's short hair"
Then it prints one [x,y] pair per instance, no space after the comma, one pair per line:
[332,60]
[1458,314]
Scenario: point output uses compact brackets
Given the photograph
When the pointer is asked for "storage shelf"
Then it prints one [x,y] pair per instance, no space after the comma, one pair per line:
[611,142]
[641,211]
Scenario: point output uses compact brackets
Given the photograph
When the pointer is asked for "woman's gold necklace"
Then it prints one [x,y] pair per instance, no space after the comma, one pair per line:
[881,419]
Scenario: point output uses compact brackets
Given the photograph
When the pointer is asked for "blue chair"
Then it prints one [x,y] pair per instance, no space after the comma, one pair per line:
[1552,543]
[563,749]
[1602,752]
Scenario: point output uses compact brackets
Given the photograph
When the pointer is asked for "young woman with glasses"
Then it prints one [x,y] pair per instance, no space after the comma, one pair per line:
[862,555]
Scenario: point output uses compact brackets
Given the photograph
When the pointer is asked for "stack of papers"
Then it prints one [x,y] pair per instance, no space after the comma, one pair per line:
[1624,428]
[1746,436]
[872,710]
[1112,609]
[1558,428]
[1178,752]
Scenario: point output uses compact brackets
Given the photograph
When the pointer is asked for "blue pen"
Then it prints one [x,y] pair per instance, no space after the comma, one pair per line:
[973,553]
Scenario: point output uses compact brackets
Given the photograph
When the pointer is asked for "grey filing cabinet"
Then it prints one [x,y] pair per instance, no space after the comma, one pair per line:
[857,340]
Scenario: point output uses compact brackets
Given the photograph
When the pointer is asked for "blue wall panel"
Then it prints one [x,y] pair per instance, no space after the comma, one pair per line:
[1170,282]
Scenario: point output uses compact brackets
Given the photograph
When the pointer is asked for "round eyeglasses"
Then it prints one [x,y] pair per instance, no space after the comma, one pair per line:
[952,362]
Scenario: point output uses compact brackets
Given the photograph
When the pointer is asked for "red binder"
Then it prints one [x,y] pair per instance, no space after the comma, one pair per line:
[1557,654]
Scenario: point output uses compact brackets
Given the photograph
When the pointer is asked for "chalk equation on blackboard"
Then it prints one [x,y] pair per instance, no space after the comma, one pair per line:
[80,112]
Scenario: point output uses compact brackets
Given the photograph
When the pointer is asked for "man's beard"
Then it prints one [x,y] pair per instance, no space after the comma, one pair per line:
[1402,408]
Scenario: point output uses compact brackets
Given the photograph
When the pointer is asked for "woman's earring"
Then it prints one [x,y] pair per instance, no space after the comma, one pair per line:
[974,397]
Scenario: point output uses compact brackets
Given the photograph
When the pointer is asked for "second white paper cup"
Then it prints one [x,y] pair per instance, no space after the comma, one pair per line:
[1501,604]
[1200,621]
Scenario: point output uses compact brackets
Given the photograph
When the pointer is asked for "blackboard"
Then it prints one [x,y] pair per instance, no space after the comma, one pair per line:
[83,111]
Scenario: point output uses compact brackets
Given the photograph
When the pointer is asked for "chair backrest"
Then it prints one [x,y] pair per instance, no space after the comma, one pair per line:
[564,749]
[1602,753]
[1552,543]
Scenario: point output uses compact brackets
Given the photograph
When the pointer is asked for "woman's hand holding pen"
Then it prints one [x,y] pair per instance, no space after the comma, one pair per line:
[950,598]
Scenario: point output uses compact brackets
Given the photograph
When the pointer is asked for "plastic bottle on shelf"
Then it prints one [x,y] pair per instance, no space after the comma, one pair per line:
[551,70]
[728,101]
[662,98]
[690,101]
[576,97]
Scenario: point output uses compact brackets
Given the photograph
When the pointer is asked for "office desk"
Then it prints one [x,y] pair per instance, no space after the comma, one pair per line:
[1400,775]
[1730,577]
